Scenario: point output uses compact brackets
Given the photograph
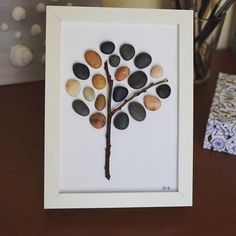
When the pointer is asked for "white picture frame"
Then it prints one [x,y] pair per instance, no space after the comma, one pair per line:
[182,196]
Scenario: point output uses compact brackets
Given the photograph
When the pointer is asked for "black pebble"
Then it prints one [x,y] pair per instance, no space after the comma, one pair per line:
[163,91]
[137,111]
[137,80]
[120,93]
[114,60]
[107,47]
[142,60]
[121,121]
[127,51]
[80,107]
[81,71]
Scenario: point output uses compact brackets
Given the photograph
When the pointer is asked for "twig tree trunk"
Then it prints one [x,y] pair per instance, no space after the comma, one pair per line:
[109,118]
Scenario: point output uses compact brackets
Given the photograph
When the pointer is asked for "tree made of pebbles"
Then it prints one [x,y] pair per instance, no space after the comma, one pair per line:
[137,80]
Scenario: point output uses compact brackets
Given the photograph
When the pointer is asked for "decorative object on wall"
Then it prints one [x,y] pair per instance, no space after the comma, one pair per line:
[18,13]
[4,26]
[112,94]
[36,30]
[41,7]
[21,55]
[17,35]
[23,22]
[221,126]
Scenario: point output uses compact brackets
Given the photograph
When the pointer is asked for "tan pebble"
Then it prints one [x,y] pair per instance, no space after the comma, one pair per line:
[99,82]
[152,103]
[98,120]
[100,102]
[156,71]
[93,59]
[122,73]
[89,94]
[73,87]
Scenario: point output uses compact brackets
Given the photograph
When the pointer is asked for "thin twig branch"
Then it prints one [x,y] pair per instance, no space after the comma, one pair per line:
[144,90]
[109,118]
[111,113]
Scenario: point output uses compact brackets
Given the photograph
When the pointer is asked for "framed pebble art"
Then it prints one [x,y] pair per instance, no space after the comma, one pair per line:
[118,116]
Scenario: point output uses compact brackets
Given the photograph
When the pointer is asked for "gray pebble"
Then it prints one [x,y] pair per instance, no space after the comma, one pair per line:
[80,107]
[127,51]
[81,71]
[119,93]
[163,91]
[114,60]
[107,47]
[121,121]
[142,60]
[137,111]
[137,80]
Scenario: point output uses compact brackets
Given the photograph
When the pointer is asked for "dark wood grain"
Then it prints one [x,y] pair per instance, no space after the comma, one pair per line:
[21,177]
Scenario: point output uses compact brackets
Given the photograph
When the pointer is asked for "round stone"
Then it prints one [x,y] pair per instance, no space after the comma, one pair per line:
[93,59]
[73,87]
[157,71]
[114,60]
[122,73]
[100,102]
[119,93]
[127,51]
[137,80]
[163,91]
[89,94]
[81,71]
[97,120]
[107,47]
[121,121]
[142,60]
[80,107]
[99,82]
[137,111]
[152,103]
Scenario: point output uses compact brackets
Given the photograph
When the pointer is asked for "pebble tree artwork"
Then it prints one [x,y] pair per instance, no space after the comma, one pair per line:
[116,90]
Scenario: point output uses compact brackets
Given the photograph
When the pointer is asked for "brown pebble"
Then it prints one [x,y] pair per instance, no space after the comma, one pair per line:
[73,87]
[98,120]
[100,102]
[156,71]
[93,59]
[99,82]
[152,103]
[122,73]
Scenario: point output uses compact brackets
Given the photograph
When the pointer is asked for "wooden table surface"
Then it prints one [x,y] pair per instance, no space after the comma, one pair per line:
[21,177]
